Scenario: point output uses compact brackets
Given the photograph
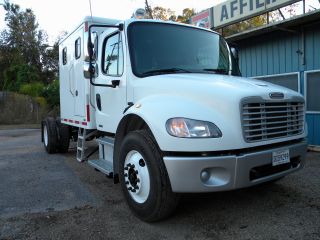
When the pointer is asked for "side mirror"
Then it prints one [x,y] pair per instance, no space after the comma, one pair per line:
[235,52]
[90,70]
[93,46]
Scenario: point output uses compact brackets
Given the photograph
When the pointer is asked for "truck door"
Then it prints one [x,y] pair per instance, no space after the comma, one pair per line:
[110,102]
[79,81]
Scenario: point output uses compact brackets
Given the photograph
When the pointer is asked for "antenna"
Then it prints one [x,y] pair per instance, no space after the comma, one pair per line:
[90,11]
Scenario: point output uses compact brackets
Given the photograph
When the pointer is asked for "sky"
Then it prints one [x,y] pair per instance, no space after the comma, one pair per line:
[56,16]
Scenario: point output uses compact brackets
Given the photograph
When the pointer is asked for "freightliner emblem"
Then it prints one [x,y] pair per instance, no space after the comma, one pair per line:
[276,95]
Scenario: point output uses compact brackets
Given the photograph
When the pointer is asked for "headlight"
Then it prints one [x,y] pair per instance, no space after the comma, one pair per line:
[189,128]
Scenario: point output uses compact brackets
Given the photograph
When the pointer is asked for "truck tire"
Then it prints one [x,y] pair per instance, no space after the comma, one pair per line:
[49,135]
[64,137]
[144,178]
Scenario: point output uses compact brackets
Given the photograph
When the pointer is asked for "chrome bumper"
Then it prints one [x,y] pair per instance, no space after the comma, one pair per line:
[222,173]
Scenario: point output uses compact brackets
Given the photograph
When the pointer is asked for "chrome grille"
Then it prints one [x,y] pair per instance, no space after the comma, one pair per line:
[269,120]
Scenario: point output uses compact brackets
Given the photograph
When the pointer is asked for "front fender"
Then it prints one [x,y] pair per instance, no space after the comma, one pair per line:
[157,109]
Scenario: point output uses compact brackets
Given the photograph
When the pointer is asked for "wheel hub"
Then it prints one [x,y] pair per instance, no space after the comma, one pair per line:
[133,176]
[45,135]
[136,176]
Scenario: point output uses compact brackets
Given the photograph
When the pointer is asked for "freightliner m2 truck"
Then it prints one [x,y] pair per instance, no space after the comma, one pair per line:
[170,113]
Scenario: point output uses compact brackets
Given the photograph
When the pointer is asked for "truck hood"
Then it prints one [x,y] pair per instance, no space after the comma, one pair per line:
[202,86]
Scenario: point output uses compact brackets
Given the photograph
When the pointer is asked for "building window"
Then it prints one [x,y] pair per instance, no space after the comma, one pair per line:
[64,56]
[113,56]
[77,48]
[312,88]
[288,80]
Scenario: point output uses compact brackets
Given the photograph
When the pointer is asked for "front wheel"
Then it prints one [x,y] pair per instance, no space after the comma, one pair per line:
[144,179]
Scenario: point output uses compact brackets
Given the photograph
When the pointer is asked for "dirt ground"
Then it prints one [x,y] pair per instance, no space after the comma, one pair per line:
[54,197]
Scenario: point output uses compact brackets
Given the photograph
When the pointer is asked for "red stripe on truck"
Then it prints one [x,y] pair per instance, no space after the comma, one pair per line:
[75,122]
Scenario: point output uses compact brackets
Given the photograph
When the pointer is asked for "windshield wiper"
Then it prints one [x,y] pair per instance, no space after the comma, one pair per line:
[165,71]
[216,70]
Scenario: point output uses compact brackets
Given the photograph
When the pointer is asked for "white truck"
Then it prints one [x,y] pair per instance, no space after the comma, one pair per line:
[170,113]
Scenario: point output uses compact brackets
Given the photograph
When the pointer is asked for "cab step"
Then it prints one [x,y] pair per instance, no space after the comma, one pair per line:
[105,162]
[103,166]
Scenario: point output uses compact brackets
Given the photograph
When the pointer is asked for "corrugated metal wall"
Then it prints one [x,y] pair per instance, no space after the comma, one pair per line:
[282,52]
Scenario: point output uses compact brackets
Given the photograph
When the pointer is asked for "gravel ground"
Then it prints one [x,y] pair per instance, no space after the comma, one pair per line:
[54,197]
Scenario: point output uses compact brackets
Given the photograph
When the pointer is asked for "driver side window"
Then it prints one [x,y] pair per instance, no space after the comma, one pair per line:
[113,56]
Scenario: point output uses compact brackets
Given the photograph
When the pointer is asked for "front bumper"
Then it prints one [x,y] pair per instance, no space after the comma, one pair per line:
[222,173]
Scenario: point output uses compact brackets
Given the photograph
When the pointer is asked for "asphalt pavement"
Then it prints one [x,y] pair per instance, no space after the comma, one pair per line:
[54,197]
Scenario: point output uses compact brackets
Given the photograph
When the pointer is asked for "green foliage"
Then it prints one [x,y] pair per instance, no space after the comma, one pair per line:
[17,75]
[245,25]
[27,74]
[27,63]
[166,14]
[162,13]
[32,89]
[41,101]
[187,13]
[51,93]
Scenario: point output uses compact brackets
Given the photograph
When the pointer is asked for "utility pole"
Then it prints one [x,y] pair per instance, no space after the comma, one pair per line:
[148,9]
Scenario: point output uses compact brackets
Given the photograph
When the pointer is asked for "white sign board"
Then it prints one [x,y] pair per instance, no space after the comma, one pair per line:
[236,10]
[202,19]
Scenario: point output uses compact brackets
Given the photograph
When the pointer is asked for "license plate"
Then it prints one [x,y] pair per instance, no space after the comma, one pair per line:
[280,157]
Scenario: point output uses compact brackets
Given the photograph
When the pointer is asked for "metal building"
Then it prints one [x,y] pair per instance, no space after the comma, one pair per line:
[287,53]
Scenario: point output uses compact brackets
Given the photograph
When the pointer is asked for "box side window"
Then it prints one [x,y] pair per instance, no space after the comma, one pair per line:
[64,56]
[77,48]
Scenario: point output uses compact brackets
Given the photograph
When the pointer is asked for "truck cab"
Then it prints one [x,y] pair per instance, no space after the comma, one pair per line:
[171,113]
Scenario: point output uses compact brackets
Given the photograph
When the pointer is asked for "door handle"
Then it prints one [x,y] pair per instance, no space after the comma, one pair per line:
[115,83]
[98,101]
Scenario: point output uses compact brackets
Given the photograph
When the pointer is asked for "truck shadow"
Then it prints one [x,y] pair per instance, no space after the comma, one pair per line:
[257,199]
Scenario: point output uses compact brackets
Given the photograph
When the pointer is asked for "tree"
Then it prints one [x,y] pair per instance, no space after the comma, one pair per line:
[245,25]
[159,13]
[187,13]
[50,61]
[162,13]
[24,53]
[148,9]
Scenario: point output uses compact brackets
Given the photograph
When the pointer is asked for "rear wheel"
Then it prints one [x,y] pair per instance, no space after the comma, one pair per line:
[64,137]
[49,135]
[144,179]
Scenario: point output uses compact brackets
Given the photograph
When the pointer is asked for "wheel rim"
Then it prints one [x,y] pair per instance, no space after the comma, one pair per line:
[45,135]
[136,176]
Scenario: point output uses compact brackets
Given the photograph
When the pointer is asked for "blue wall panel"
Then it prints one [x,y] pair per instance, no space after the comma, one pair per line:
[275,53]
[270,58]
[316,131]
[316,52]
[313,121]
[310,122]
[295,48]
[288,56]
[309,51]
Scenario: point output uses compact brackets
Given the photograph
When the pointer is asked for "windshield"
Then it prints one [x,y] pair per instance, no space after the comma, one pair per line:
[157,48]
